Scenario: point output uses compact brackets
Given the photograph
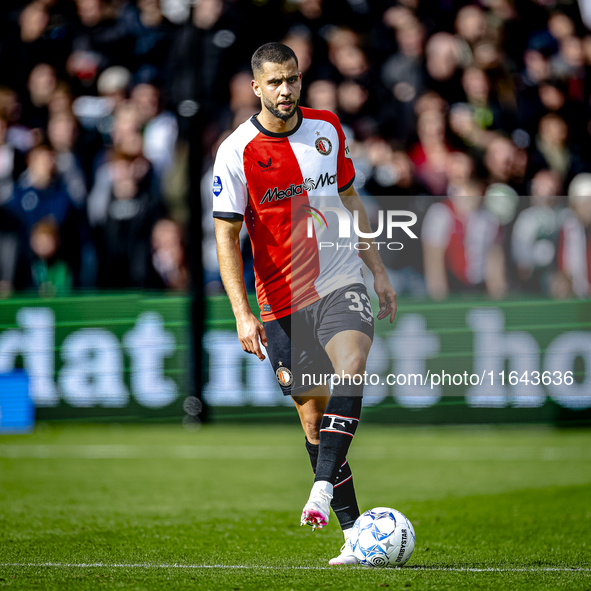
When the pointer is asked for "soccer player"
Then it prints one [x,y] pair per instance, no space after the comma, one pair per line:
[288,174]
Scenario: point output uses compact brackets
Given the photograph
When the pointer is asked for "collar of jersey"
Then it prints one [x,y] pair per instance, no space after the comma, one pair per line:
[264,131]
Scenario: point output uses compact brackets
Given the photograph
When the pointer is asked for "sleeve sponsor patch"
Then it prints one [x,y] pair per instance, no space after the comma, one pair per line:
[347,152]
[217,185]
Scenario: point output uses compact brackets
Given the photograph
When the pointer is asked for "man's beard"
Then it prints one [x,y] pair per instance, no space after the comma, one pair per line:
[283,115]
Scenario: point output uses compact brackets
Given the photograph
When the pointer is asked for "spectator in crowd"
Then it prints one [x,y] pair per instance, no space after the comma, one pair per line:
[169,258]
[41,85]
[470,26]
[392,173]
[9,253]
[569,64]
[429,155]
[471,120]
[534,236]
[17,135]
[355,109]
[322,94]
[151,36]
[39,194]
[113,84]
[551,149]
[97,112]
[160,128]
[549,97]
[123,207]
[61,99]
[299,38]
[460,173]
[123,133]
[574,247]
[403,74]
[499,161]
[442,61]
[61,133]
[205,54]
[100,40]
[7,164]
[536,70]
[49,274]
[29,47]
[462,250]
[546,183]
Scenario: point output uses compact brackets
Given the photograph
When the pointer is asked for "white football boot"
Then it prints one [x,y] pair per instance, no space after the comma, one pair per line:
[317,509]
[346,556]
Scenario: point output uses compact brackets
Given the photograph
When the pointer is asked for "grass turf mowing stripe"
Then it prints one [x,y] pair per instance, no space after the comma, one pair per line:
[227,452]
[208,523]
[458,569]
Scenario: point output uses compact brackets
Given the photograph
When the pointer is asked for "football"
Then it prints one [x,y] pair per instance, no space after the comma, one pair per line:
[383,537]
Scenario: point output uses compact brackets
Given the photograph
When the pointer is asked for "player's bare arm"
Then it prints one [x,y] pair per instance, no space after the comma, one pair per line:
[371,257]
[249,328]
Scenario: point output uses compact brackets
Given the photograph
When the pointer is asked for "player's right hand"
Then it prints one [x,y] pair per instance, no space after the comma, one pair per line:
[250,330]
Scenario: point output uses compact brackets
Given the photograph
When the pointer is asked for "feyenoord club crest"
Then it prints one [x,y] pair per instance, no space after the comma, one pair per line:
[324,146]
[284,375]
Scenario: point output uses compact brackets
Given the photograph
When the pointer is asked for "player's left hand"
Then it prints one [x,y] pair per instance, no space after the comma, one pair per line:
[386,295]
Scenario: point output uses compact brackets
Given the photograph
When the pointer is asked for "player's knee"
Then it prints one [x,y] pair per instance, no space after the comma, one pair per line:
[313,435]
[312,429]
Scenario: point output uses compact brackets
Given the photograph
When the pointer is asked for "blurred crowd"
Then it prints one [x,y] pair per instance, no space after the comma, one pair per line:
[474,115]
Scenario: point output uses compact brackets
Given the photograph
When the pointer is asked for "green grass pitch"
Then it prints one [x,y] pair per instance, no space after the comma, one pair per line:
[157,507]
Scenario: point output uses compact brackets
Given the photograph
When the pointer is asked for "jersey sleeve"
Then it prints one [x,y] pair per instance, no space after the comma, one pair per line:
[345,168]
[230,191]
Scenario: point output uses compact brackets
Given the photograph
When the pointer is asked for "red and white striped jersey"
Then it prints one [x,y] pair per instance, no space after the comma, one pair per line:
[277,182]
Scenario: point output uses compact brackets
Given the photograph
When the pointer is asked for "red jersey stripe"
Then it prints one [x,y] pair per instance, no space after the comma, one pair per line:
[279,227]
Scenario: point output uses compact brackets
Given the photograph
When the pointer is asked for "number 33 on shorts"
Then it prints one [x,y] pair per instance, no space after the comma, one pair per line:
[363,307]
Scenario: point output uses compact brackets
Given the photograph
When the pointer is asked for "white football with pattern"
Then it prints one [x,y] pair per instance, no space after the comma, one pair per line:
[383,537]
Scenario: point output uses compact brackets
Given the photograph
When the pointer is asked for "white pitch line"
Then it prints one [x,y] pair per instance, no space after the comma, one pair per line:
[265,567]
[163,566]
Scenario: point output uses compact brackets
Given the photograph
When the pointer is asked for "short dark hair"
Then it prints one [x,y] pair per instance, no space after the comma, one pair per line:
[276,53]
